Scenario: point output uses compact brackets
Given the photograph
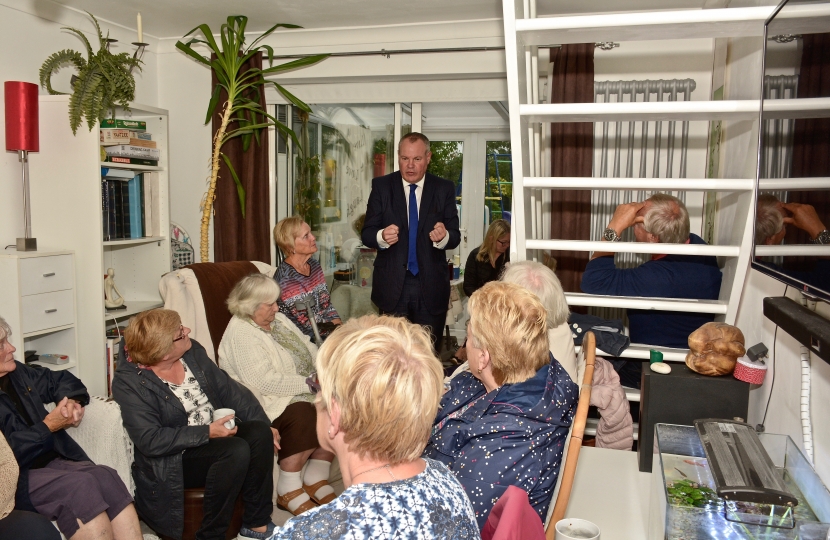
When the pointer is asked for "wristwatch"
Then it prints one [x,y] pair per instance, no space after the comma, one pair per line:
[610,235]
[822,238]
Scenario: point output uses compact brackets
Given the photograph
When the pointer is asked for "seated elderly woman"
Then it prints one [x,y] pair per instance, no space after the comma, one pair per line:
[541,281]
[379,386]
[266,352]
[53,468]
[505,421]
[18,523]
[301,278]
[168,392]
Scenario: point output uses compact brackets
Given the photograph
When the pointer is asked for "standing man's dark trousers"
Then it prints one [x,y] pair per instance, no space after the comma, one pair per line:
[411,305]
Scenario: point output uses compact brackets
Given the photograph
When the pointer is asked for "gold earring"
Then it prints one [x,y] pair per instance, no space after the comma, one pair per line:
[479,371]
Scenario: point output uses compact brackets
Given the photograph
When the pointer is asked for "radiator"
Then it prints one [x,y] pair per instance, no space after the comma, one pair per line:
[662,154]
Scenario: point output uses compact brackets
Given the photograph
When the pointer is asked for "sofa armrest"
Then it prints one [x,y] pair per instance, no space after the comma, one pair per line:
[102,436]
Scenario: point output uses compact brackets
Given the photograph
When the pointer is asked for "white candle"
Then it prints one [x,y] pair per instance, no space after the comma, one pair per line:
[140,33]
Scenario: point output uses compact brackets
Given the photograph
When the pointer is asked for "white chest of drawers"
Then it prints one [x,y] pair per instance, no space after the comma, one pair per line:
[37,299]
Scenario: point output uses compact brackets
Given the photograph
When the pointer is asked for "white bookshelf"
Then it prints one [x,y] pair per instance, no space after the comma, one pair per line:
[66,214]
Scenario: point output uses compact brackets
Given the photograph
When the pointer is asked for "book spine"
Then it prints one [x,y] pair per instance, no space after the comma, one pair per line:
[125,209]
[135,125]
[105,209]
[143,143]
[126,150]
[132,161]
[143,135]
[116,215]
[141,205]
[151,203]
[110,137]
[134,187]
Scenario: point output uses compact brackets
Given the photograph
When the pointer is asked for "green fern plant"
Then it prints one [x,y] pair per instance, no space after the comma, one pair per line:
[103,82]
[243,102]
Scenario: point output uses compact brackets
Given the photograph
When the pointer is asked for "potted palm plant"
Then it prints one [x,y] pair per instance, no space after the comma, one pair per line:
[243,85]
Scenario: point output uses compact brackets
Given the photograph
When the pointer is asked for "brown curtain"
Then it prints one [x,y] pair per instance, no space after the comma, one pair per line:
[572,147]
[235,238]
[811,141]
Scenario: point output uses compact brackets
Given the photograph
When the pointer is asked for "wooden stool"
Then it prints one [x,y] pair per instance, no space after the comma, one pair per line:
[194,499]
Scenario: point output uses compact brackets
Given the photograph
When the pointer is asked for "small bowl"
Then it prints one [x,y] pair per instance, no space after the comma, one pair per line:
[576,529]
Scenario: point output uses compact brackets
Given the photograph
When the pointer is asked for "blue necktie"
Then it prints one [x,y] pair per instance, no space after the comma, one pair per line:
[412,261]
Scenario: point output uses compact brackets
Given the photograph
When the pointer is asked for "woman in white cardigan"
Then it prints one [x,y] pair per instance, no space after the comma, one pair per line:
[265,351]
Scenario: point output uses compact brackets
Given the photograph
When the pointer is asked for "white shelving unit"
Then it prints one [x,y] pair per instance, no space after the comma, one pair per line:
[66,214]
[38,302]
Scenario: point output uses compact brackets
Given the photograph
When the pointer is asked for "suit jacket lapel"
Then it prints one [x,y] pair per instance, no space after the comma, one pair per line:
[426,201]
[400,200]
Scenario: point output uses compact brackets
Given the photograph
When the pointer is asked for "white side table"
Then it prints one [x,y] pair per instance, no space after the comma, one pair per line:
[37,300]
[610,490]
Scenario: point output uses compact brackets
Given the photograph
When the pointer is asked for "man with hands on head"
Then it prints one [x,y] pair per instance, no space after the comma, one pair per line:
[660,219]
[412,219]
[772,216]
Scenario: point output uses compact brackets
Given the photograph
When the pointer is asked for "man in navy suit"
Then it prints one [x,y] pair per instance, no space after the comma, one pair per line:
[412,219]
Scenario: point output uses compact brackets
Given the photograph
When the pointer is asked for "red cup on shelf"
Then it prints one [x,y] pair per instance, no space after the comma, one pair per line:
[748,371]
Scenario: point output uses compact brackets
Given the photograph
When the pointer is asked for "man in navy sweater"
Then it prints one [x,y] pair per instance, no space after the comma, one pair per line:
[663,219]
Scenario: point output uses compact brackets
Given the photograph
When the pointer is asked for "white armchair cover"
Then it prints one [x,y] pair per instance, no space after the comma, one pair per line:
[180,291]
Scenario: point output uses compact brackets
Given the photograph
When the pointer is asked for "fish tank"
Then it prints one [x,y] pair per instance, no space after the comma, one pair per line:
[685,504]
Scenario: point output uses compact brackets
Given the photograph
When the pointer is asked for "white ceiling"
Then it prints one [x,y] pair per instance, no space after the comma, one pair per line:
[173,18]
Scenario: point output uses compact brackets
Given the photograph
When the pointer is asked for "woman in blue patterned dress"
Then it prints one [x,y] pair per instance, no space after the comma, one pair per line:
[505,421]
[301,278]
[379,384]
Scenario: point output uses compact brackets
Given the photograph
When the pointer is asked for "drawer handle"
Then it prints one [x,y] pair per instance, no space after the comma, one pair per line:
[50,310]
[50,274]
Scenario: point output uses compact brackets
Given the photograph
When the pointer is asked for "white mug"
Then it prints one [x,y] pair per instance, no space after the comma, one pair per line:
[221,413]
[576,529]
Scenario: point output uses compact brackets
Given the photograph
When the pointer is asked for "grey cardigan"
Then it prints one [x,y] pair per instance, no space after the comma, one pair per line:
[157,424]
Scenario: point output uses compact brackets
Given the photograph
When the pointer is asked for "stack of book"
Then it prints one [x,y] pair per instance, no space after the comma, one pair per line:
[127,141]
[129,204]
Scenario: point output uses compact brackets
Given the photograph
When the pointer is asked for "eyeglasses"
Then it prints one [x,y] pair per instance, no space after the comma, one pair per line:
[505,243]
[313,384]
[181,334]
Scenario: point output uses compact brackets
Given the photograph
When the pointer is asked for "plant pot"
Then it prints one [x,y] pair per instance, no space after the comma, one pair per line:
[380,165]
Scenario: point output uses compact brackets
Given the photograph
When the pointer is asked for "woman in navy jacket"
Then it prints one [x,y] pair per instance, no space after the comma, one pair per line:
[505,422]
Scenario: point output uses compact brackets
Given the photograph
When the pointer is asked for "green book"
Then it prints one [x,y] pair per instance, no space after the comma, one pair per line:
[135,125]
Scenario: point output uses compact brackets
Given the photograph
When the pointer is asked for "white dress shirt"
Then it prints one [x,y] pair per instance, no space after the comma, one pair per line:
[419,191]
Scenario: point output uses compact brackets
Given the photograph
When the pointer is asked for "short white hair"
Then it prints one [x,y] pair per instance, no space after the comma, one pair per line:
[5,329]
[667,219]
[541,281]
[250,292]
[768,218]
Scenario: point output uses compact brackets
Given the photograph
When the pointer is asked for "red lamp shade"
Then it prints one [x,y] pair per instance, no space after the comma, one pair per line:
[21,116]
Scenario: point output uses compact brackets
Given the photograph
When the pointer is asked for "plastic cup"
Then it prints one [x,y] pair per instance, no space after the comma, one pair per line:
[576,529]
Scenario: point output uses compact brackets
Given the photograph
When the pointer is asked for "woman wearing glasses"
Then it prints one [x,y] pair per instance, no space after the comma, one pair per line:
[168,392]
[265,351]
[379,389]
[486,262]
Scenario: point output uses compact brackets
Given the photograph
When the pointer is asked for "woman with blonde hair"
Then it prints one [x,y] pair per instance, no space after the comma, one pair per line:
[301,278]
[379,387]
[486,262]
[505,421]
[267,353]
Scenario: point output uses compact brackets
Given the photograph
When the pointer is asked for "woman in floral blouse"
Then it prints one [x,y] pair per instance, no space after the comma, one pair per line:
[379,385]
[505,421]
[266,352]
